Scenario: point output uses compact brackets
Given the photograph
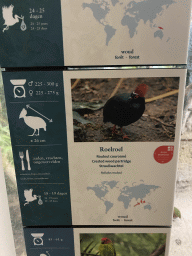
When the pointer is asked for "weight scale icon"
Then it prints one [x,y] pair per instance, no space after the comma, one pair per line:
[37,238]
[47,254]
[19,89]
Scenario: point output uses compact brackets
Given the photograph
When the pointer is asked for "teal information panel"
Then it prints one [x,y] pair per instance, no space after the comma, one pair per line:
[30,33]
[36,113]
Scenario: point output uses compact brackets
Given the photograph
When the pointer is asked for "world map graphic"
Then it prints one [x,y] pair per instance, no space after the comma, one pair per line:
[131,14]
[125,192]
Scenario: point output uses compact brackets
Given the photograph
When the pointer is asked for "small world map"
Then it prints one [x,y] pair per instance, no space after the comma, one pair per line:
[126,193]
[131,14]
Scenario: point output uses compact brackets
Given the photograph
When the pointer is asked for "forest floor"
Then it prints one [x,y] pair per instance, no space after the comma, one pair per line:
[157,123]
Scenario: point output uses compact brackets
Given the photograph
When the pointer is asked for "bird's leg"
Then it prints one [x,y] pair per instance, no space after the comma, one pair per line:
[33,133]
[124,135]
[6,28]
[114,130]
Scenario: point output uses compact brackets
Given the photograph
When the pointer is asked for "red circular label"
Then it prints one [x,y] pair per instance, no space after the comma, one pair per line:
[164,154]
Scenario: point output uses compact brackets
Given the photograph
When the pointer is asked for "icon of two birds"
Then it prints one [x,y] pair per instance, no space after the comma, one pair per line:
[106,247]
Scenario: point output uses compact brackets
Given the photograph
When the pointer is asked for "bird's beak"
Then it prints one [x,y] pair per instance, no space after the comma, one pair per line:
[135,95]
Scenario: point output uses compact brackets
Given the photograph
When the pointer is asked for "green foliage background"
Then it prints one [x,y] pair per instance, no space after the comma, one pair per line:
[133,244]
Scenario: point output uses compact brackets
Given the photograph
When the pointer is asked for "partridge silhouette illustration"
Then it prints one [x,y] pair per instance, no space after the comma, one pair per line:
[34,122]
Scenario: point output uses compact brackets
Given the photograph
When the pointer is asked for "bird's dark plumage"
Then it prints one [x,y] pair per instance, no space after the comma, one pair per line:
[124,109]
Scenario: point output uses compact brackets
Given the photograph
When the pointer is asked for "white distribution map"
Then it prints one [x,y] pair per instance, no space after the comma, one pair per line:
[126,193]
[132,13]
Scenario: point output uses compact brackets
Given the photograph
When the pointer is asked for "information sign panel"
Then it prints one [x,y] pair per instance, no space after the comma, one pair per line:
[36,114]
[93,241]
[123,176]
[31,33]
[115,32]
[117,175]
[42,33]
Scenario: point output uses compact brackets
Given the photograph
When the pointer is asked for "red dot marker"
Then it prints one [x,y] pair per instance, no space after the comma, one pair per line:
[164,154]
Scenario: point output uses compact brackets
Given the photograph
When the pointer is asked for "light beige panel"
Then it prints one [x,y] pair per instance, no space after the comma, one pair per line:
[91,209]
[157,37]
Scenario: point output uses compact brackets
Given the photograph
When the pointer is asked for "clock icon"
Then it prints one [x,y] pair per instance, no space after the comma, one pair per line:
[19,91]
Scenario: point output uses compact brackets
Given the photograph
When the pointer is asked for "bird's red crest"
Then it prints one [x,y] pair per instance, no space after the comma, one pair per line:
[105,240]
[141,90]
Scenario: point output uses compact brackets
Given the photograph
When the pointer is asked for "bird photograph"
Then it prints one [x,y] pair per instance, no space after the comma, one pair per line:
[123,244]
[124,109]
